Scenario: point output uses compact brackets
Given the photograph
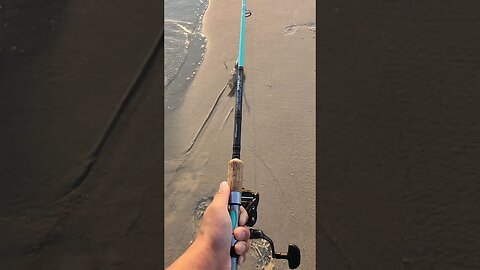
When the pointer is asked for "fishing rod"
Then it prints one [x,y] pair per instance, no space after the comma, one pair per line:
[240,196]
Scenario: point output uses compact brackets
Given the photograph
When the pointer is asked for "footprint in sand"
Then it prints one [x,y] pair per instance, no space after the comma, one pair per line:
[199,210]
[259,248]
[294,28]
[201,206]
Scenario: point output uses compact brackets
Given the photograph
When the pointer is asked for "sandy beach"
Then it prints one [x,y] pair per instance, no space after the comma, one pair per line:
[278,134]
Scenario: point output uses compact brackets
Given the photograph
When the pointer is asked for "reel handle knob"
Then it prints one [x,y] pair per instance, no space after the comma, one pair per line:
[292,256]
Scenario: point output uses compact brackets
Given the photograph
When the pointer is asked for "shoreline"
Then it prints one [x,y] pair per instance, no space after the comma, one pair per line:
[177,86]
[209,79]
[279,121]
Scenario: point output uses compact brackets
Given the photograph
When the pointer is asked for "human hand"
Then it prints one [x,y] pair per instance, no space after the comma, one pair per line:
[211,248]
[216,229]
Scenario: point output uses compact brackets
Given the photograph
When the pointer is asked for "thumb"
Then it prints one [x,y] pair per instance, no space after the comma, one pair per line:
[223,193]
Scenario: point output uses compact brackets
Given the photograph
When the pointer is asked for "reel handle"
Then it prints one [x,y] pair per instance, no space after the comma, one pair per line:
[292,255]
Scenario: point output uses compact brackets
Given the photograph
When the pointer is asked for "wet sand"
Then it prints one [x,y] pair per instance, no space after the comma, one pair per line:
[80,184]
[278,132]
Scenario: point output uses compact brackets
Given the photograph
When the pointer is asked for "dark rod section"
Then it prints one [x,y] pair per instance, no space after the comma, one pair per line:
[237,124]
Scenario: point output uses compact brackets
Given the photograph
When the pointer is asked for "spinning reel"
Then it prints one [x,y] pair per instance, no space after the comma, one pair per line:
[250,201]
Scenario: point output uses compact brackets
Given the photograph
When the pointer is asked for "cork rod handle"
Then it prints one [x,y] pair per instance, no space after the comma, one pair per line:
[235,174]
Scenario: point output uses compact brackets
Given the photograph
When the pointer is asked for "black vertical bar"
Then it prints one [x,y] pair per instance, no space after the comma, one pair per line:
[237,124]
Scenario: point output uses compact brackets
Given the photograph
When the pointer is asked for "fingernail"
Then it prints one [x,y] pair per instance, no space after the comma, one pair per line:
[223,186]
